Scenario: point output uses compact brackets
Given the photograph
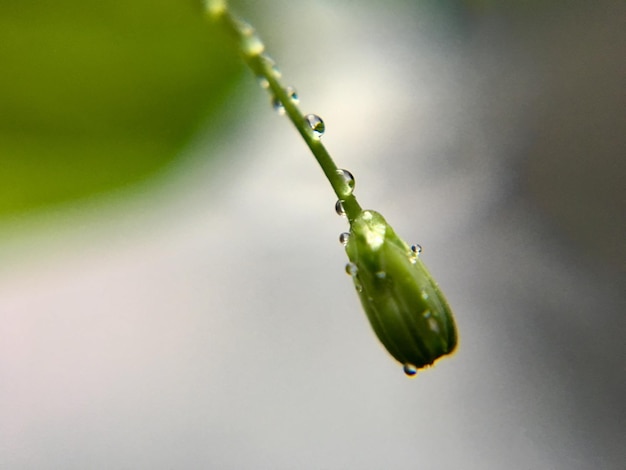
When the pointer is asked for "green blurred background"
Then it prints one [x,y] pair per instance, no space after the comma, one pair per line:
[97,96]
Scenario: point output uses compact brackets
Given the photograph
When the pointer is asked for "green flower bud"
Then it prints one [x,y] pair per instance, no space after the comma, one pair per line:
[404,305]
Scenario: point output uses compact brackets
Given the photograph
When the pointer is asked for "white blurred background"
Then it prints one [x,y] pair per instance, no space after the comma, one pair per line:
[204,320]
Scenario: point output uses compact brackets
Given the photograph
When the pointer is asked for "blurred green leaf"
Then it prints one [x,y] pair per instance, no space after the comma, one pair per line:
[97,95]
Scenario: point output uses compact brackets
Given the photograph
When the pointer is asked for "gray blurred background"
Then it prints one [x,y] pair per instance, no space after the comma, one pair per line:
[204,320]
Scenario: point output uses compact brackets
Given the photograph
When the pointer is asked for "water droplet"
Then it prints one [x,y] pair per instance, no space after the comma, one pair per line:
[343,238]
[348,180]
[381,274]
[415,252]
[425,297]
[216,7]
[271,65]
[251,44]
[417,249]
[409,369]
[316,124]
[293,95]
[244,27]
[426,313]
[339,208]
[433,325]
[278,106]
[276,71]
[263,83]
[351,269]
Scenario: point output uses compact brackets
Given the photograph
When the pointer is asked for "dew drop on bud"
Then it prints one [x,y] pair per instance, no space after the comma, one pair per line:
[316,124]
[409,369]
[343,238]
[415,252]
[348,180]
[339,208]
[293,94]
[351,269]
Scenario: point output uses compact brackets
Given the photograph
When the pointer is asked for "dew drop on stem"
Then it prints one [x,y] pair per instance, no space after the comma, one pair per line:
[316,124]
[348,181]
[293,95]
[263,83]
[339,208]
[278,106]
[270,66]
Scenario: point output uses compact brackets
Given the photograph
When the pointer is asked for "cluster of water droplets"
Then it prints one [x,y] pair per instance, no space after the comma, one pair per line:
[348,183]
[313,121]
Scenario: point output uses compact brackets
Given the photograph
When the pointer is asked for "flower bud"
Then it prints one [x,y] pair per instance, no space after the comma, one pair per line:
[404,305]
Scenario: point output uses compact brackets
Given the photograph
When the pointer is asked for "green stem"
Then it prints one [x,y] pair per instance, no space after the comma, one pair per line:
[263,67]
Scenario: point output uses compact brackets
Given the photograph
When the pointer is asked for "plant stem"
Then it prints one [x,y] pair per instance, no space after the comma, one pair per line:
[264,68]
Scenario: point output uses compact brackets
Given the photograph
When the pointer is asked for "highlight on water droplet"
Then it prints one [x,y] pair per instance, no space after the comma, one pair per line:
[339,208]
[343,238]
[316,124]
[409,369]
[433,325]
[293,94]
[278,106]
[348,180]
